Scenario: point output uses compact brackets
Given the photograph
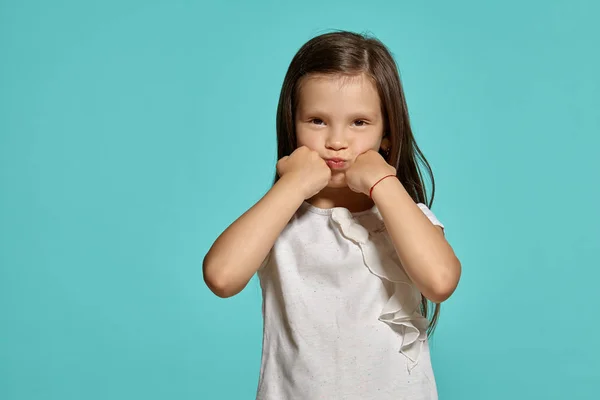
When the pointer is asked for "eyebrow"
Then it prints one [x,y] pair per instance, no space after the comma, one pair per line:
[362,114]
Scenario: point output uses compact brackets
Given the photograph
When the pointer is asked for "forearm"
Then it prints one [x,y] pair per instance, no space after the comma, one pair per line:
[425,254]
[239,251]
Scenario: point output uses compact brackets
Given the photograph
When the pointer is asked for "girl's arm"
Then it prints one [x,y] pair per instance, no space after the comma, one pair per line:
[240,250]
[422,248]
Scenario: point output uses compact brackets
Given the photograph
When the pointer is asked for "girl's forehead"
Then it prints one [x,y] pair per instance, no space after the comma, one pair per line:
[338,80]
[341,90]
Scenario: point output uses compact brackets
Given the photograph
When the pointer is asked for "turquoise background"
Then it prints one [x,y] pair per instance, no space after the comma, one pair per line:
[133,132]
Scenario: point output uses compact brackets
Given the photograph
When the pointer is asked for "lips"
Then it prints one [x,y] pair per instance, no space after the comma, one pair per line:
[336,163]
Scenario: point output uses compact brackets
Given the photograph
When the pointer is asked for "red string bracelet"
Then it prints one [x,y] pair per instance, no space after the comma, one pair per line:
[371,191]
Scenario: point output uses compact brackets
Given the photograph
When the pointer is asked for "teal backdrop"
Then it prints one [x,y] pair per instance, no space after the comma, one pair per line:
[133,132]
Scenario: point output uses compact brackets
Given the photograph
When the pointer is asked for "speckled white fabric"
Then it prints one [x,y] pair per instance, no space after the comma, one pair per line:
[341,317]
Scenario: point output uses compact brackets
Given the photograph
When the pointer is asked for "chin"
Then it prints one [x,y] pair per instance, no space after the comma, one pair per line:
[337,185]
[337,182]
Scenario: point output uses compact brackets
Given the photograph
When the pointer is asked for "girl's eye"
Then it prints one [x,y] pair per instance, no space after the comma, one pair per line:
[317,121]
[360,122]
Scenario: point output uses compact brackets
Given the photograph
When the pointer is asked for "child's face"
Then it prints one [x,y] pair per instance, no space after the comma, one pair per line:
[339,117]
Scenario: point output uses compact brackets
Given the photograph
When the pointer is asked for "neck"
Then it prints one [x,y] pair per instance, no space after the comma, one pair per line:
[341,197]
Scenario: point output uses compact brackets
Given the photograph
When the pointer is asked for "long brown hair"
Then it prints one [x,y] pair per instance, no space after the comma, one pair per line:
[349,53]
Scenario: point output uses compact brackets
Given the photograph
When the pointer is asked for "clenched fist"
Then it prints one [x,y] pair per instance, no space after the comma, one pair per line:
[366,170]
[306,169]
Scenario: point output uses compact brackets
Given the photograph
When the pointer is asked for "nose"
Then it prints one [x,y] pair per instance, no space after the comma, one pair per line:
[336,139]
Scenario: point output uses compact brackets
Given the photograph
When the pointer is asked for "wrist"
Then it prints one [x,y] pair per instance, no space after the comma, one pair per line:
[381,182]
[292,188]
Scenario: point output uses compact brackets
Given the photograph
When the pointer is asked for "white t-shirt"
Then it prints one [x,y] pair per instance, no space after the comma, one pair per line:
[341,317]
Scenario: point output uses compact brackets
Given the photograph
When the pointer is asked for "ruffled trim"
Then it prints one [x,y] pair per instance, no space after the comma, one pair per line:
[401,311]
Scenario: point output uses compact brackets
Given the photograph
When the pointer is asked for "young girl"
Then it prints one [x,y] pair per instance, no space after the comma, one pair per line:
[346,250]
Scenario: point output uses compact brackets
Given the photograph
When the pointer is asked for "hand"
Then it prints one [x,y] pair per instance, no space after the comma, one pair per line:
[366,170]
[306,169]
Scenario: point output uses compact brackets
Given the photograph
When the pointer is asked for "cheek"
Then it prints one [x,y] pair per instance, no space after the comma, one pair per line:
[368,143]
[310,141]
